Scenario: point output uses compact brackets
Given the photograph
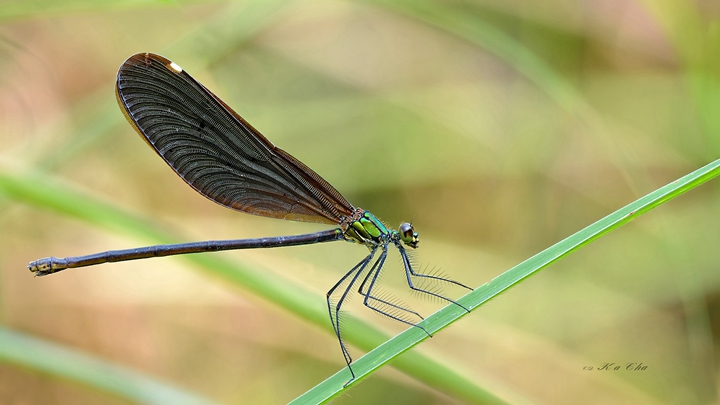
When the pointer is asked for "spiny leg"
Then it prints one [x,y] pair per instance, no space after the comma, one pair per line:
[373,276]
[409,273]
[335,315]
[391,304]
[328,295]
[334,318]
[362,263]
[346,292]
[403,253]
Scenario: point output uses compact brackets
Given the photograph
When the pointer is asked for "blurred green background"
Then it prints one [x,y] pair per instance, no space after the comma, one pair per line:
[498,127]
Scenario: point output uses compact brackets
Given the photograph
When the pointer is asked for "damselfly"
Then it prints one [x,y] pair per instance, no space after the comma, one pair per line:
[228,161]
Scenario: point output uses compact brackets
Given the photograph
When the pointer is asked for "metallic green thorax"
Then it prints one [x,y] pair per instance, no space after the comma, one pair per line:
[363,227]
[367,229]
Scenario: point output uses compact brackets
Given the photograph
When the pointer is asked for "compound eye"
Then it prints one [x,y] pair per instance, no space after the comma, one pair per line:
[408,234]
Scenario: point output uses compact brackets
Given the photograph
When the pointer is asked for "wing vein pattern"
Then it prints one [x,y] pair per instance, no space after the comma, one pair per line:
[216,151]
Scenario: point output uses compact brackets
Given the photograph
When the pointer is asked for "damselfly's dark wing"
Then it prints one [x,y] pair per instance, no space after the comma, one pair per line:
[216,151]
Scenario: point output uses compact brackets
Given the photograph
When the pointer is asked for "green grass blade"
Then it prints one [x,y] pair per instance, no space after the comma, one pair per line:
[394,347]
[39,191]
[42,191]
[38,354]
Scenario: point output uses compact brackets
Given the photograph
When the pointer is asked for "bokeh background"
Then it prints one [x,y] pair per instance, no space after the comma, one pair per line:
[498,127]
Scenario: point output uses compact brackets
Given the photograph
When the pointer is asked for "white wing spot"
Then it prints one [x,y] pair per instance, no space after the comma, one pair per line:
[175,67]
